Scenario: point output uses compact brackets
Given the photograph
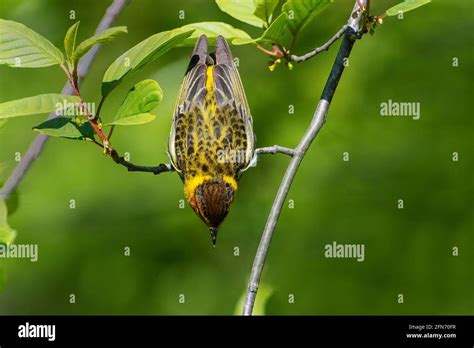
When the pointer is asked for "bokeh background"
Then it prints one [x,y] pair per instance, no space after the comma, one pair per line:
[407,251]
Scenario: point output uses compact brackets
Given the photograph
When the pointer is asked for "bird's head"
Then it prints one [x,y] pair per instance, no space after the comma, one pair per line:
[211,199]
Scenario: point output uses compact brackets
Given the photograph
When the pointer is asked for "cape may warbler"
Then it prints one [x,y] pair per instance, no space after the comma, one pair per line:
[211,141]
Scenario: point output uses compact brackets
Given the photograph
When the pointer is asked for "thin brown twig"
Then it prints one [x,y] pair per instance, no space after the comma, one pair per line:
[99,108]
[162,168]
[91,118]
[111,131]
[267,52]
[106,145]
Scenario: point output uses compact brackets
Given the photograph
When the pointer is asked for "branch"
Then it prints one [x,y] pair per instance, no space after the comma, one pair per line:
[92,119]
[106,145]
[275,149]
[316,51]
[317,122]
[162,168]
[110,16]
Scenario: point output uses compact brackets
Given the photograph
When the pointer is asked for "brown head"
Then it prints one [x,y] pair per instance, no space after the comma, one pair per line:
[211,199]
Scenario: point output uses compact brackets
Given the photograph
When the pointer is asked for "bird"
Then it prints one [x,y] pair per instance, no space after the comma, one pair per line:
[211,142]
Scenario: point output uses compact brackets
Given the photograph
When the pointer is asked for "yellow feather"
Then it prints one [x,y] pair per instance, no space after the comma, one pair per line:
[191,184]
[230,180]
[210,89]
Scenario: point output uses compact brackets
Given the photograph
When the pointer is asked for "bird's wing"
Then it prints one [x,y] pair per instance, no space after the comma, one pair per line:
[192,93]
[229,92]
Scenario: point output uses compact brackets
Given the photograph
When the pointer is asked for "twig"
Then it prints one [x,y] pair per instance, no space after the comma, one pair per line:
[275,149]
[99,108]
[317,122]
[276,51]
[316,51]
[110,16]
[111,131]
[106,145]
[267,52]
[162,168]
[92,119]
[361,5]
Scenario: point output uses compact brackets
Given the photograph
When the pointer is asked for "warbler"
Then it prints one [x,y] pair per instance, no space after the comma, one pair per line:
[211,140]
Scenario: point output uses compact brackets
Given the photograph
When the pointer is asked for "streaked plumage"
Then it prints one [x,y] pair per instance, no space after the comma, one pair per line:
[211,140]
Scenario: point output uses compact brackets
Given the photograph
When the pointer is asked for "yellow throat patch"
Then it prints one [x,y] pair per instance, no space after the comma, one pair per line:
[191,184]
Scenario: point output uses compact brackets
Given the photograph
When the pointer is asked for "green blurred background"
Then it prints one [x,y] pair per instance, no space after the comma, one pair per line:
[407,251]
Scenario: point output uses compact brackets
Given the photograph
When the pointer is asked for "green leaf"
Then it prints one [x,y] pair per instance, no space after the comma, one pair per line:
[264,9]
[7,234]
[22,47]
[38,104]
[133,120]
[406,6]
[265,291]
[212,30]
[243,10]
[66,127]
[278,32]
[145,52]
[12,201]
[105,36]
[140,100]
[2,122]
[70,40]
[3,213]
[302,12]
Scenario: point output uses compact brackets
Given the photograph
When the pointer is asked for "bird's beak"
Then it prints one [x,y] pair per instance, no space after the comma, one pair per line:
[213,231]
